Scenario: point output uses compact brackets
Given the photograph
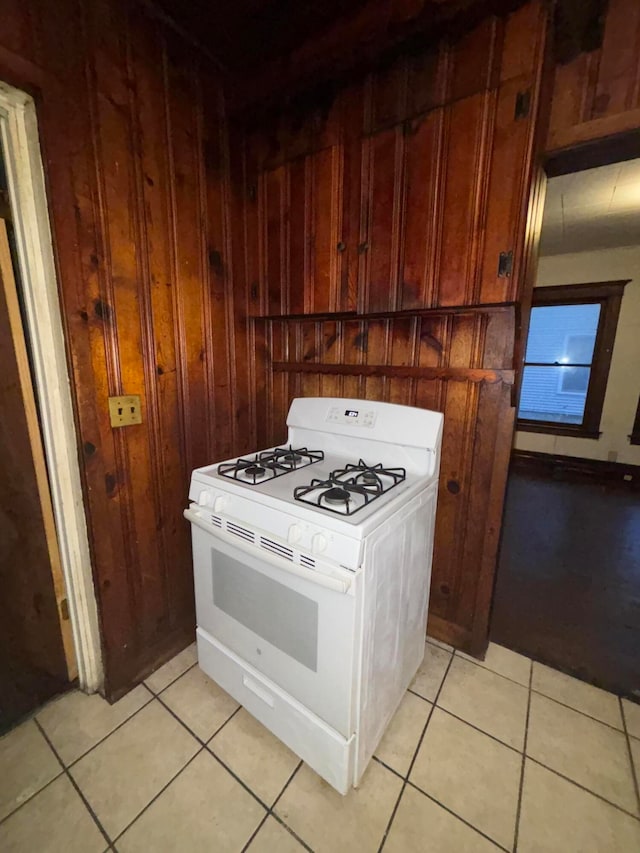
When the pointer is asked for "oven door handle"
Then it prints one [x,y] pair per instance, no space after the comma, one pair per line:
[309,575]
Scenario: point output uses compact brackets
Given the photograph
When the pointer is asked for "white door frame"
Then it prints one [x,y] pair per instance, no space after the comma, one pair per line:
[20,143]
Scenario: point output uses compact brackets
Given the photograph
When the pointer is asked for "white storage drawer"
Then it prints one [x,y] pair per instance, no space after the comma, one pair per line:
[321,747]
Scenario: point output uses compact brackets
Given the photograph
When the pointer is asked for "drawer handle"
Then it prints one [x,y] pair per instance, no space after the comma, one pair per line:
[259,691]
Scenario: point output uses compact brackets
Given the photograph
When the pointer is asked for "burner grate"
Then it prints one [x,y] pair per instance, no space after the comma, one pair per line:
[351,488]
[269,464]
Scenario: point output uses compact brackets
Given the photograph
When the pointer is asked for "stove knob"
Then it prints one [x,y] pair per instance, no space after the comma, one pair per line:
[205,498]
[220,503]
[295,533]
[319,543]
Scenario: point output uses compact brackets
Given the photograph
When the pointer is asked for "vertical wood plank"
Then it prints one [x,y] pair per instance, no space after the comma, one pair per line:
[274,203]
[460,211]
[352,106]
[383,156]
[163,374]
[325,228]
[299,197]
[128,311]
[423,141]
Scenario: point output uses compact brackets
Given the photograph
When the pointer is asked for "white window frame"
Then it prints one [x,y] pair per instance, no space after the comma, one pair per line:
[20,144]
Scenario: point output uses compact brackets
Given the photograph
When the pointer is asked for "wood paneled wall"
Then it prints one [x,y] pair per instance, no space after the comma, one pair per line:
[394,197]
[133,135]
[597,94]
[394,193]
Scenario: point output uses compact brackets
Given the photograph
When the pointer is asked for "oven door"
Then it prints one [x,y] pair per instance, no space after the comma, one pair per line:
[294,625]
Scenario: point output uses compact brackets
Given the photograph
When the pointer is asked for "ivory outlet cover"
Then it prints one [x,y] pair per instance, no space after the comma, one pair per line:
[124,411]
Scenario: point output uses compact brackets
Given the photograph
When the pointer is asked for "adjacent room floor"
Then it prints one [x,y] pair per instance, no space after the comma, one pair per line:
[568,584]
[501,755]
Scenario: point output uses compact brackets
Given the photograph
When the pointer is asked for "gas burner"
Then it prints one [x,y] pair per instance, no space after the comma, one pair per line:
[374,476]
[336,495]
[269,464]
[351,488]
[290,458]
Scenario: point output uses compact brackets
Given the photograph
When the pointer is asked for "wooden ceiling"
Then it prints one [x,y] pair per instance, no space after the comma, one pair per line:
[275,49]
[243,34]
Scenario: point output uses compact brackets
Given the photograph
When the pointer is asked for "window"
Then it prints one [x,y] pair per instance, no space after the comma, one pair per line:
[571,334]
[634,438]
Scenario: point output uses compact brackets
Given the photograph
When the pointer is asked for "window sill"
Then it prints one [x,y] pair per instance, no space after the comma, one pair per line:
[557,429]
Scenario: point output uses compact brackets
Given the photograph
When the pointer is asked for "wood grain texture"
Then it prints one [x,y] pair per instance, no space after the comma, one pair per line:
[175,227]
[135,146]
[597,94]
[408,183]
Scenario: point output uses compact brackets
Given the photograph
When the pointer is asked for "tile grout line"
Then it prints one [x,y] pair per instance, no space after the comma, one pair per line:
[463,656]
[175,716]
[457,816]
[578,711]
[584,788]
[109,733]
[203,746]
[459,655]
[67,767]
[524,758]
[478,729]
[156,795]
[76,787]
[206,746]
[271,812]
[442,805]
[31,796]
[421,738]
[633,766]
[171,683]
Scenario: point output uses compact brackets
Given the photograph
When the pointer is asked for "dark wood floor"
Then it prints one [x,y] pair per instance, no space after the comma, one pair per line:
[568,583]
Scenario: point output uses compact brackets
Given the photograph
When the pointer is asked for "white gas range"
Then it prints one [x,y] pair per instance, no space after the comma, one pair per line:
[312,564]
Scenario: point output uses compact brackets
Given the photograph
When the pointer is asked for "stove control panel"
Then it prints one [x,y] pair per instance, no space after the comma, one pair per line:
[352,417]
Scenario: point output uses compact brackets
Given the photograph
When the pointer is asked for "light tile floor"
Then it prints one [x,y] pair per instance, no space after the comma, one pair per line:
[498,755]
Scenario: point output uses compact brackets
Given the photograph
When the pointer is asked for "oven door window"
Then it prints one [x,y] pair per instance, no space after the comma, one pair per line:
[281,616]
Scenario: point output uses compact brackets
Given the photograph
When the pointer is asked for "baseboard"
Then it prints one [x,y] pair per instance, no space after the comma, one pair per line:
[576,469]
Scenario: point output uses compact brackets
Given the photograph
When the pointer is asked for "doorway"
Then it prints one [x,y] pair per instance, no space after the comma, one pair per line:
[568,581]
[36,647]
[50,620]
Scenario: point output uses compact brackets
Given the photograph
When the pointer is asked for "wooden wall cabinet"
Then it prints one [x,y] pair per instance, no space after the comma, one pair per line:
[597,94]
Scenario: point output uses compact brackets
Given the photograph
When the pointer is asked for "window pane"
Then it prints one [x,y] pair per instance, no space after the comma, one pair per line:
[562,334]
[555,394]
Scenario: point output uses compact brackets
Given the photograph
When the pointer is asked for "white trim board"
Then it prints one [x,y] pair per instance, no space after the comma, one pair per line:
[20,144]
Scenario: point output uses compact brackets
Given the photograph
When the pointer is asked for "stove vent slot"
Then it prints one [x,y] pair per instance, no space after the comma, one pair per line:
[216,521]
[242,532]
[276,548]
[307,562]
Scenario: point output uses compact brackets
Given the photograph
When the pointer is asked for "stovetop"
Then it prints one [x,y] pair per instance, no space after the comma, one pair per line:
[344,491]
[381,455]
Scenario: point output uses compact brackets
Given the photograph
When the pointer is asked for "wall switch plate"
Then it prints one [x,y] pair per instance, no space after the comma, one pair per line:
[124,411]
